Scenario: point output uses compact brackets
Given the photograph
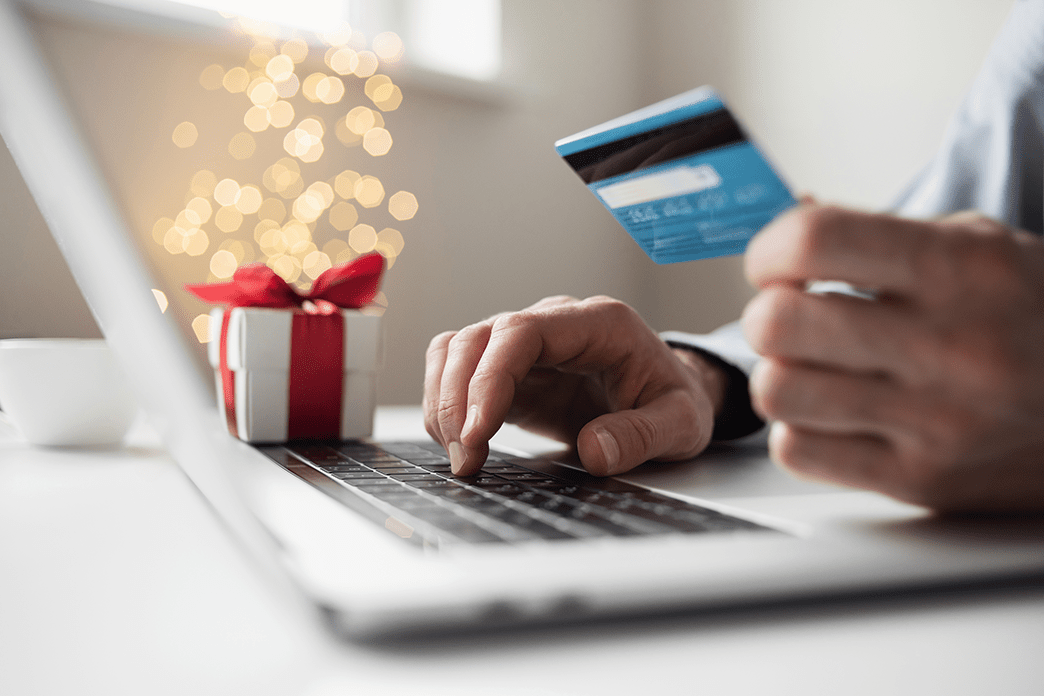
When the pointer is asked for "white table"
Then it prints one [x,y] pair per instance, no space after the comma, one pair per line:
[115,578]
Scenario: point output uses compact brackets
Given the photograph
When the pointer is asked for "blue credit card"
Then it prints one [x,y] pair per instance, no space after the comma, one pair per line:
[681,176]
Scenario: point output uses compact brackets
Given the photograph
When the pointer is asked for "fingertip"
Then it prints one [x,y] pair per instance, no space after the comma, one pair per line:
[599,451]
[609,448]
[471,423]
[466,461]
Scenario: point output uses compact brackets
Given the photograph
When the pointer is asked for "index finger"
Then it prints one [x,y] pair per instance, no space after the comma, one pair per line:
[878,252]
[570,337]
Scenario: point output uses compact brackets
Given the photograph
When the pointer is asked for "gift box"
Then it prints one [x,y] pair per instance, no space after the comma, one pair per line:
[293,366]
[289,380]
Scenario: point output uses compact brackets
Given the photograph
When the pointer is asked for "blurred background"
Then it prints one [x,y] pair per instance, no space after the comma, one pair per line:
[473,209]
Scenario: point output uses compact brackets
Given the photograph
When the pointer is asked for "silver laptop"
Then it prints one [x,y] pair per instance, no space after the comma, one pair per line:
[378,537]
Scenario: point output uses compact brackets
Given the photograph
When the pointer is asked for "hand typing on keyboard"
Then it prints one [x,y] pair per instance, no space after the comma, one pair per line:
[589,373]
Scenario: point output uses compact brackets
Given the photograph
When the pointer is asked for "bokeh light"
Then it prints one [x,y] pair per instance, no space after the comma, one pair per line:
[211,77]
[288,88]
[185,134]
[366,63]
[256,118]
[329,90]
[387,97]
[305,141]
[223,264]
[228,218]
[362,238]
[242,146]
[160,229]
[345,182]
[201,327]
[369,191]
[308,87]
[377,142]
[226,192]
[402,205]
[262,92]
[280,68]
[241,252]
[261,53]
[392,240]
[272,209]
[315,262]
[295,215]
[342,60]
[281,114]
[249,200]
[284,178]
[236,80]
[389,245]
[161,300]
[296,50]
[374,83]
[200,207]
[338,251]
[388,46]
[203,183]
[343,216]
[286,267]
[360,119]
[196,242]
[345,135]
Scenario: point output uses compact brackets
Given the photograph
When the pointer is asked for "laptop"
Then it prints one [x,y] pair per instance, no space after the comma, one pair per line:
[375,538]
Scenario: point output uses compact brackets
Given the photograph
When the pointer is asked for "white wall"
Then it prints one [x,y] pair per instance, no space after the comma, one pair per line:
[848,97]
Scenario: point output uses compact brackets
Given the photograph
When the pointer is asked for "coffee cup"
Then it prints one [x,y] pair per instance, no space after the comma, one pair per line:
[65,392]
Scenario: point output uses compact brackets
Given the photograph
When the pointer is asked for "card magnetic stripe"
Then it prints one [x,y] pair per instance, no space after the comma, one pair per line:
[649,147]
[683,113]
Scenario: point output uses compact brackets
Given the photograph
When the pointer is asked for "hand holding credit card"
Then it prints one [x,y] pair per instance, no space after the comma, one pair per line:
[681,176]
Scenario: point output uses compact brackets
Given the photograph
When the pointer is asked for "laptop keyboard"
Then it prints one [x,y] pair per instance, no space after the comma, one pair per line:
[409,487]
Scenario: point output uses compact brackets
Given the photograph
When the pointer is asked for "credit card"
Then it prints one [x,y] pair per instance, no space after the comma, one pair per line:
[682,177]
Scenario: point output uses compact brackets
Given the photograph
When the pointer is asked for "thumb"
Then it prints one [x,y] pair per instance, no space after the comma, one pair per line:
[673,426]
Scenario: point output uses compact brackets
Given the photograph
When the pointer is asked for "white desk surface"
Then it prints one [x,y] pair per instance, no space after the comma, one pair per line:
[115,578]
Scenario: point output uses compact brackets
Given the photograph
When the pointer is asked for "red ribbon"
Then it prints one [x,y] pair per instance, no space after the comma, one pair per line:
[316,340]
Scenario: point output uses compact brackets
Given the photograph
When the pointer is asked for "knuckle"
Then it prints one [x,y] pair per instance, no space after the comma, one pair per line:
[929,260]
[554,301]
[974,261]
[768,386]
[462,340]
[769,318]
[787,453]
[448,410]
[439,342]
[645,433]
[513,321]
[814,231]
[614,310]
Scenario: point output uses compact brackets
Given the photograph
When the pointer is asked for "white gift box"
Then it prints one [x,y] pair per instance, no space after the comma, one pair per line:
[259,356]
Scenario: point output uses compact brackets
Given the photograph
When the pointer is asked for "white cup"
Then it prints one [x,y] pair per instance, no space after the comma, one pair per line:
[65,392]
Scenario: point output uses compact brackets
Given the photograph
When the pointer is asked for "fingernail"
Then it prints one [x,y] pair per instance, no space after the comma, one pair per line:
[457,457]
[469,423]
[610,450]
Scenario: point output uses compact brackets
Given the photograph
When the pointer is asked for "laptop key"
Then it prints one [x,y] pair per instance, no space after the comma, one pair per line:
[365,475]
[343,467]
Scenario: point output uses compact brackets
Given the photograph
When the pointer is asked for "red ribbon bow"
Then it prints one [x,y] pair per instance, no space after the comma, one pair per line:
[349,286]
[316,341]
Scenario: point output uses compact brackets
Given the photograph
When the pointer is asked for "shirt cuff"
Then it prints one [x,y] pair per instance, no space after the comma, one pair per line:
[727,350]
